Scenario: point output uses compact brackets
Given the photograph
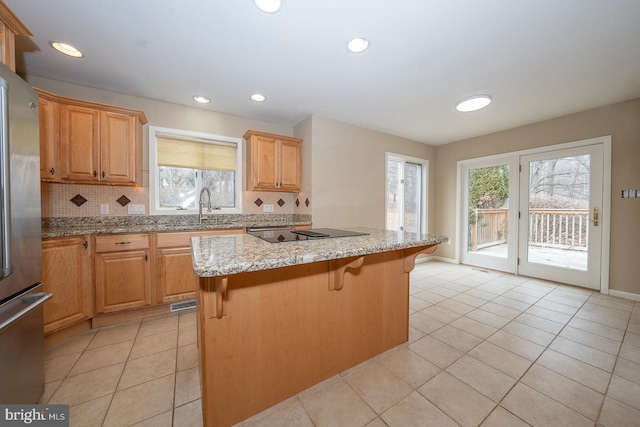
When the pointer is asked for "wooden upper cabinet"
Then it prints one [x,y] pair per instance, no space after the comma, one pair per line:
[10,27]
[274,162]
[97,143]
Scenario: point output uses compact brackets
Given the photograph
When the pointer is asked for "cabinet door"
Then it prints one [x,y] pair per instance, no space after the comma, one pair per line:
[79,133]
[49,140]
[122,280]
[263,173]
[290,159]
[66,273]
[118,147]
[176,280]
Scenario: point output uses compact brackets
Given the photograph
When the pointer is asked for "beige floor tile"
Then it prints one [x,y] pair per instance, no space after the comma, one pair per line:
[552,315]
[500,417]
[473,327]
[571,302]
[415,334]
[138,371]
[337,405]
[469,300]
[377,422]
[440,313]
[49,389]
[572,394]
[634,327]
[522,297]
[435,351]
[416,411]
[488,318]
[380,388]
[424,323]
[430,297]
[511,303]
[501,310]
[540,323]
[103,356]
[576,370]
[114,335]
[459,401]
[158,326]
[59,368]
[531,291]
[624,391]
[597,358]
[189,415]
[529,333]
[410,367]
[187,335]
[456,306]
[292,414]
[456,338]
[91,413]
[616,414]
[418,304]
[478,293]
[162,420]
[70,346]
[187,319]
[144,346]
[630,352]
[487,380]
[597,328]
[188,357]
[539,410]
[592,340]
[605,320]
[632,339]
[503,360]
[140,402]
[621,312]
[556,306]
[91,385]
[187,386]
[517,345]
[444,291]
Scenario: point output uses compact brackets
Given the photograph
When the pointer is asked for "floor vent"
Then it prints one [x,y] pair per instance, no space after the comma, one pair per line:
[183,305]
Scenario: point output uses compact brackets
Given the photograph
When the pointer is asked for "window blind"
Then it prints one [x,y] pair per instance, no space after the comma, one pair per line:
[195,153]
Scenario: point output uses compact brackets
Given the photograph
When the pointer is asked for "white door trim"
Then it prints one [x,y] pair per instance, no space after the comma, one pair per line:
[606,196]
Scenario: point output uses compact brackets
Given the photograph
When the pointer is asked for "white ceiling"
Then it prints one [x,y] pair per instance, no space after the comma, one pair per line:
[538,59]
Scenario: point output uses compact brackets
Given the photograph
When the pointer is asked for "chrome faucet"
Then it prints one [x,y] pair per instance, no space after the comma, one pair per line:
[201,202]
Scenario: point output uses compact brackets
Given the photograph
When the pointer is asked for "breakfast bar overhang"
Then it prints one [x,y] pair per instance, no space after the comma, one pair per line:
[275,319]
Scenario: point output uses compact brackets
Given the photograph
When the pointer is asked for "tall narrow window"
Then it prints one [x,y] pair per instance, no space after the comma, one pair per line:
[183,164]
[406,184]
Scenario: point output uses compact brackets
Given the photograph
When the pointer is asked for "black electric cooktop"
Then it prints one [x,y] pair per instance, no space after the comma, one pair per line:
[279,236]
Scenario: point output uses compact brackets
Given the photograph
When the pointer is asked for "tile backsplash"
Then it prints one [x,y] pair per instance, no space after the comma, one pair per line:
[57,200]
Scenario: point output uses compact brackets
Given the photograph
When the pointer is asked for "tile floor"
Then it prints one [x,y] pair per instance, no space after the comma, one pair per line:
[485,348]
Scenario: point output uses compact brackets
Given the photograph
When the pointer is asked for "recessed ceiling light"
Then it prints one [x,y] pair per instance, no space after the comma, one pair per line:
[258,97]
[473,103]
[201,99]
[67,49]
[269,6]
[358,44]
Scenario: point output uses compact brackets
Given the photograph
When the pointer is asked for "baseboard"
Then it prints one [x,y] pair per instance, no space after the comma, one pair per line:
[625,295]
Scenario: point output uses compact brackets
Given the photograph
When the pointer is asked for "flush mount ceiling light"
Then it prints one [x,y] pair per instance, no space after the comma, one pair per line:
[473,103]
[269,6]
[358,44]
[67,49]
[258,97]
[201,99]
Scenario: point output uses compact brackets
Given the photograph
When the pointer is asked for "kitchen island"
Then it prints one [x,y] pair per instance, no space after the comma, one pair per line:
[277,318]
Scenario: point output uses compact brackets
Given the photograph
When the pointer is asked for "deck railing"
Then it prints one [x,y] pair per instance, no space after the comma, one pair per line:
[553,228]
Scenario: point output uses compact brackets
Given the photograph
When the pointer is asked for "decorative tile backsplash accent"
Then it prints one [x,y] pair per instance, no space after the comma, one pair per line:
[306,202]
[258,202]
[123,200]
[281,202]
[78,200]
[297,202]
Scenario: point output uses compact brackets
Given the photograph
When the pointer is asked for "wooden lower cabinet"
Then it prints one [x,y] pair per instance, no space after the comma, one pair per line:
[66,273]
[175,279]
[122,277]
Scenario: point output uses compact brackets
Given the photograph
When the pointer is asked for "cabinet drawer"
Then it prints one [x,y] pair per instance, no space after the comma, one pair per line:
[183,239]
[121,242]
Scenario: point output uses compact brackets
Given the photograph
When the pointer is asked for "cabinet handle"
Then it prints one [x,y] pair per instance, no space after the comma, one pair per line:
[85,244]
[123,243]
[95,174]
[52,171]
[103,174]
[145,257]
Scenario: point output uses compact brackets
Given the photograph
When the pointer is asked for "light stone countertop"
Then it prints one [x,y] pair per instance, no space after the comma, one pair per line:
[224,255]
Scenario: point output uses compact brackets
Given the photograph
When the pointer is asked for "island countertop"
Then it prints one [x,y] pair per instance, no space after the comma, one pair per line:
[224,255]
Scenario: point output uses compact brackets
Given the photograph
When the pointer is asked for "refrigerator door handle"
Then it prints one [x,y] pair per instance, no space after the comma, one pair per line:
[5,184]
[33,302]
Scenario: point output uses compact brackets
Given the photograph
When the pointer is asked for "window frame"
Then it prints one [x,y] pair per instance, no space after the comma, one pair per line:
[424,179]
[154,171]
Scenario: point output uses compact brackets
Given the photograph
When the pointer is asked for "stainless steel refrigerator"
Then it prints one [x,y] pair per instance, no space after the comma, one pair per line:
[21,296]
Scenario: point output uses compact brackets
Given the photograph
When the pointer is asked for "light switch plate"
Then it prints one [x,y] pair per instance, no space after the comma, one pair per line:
[135,209]
[104,209]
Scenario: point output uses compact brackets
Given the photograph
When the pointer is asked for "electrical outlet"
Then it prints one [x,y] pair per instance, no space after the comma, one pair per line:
[104,209]
[267,208]
[135,209]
